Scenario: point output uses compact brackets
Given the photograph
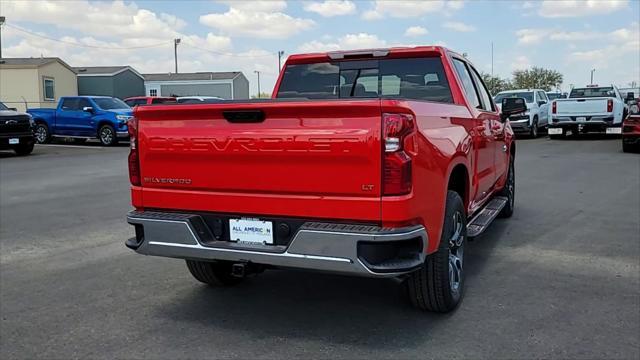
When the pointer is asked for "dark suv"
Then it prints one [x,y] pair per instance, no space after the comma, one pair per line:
[16,131]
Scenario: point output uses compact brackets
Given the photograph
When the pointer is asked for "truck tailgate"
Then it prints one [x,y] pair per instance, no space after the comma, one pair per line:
[305,159]
[582,106]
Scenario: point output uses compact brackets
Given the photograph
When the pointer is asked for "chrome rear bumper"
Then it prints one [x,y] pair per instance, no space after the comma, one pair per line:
[338,248]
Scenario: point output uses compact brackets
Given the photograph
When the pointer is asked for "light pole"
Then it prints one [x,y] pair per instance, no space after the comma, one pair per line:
[175,52]
[280,53]
[258,73]
[2,21]
[592,71]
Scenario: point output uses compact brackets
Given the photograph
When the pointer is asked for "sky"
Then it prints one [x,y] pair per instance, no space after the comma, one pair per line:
[572,37]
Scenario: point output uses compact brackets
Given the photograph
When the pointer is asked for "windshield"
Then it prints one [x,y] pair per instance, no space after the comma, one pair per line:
[3,106]
[419,79]
[528,96]
[110,103]
[592,92]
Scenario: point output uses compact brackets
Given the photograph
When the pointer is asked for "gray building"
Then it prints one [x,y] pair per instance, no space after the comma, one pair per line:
[226,85]
[117,81]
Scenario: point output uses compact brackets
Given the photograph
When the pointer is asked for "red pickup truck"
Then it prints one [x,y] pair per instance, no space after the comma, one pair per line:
[377,163]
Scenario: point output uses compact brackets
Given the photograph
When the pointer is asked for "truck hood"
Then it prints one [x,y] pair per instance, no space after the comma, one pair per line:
[10,113]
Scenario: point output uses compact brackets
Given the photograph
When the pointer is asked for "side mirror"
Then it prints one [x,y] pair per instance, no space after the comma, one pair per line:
[88,109]
[511,106]
[541,102]
[630,96]
[12,109]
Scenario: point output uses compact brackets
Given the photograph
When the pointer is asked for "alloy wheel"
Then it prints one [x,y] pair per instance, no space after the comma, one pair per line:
[106,135]
[41,134]
[456,252]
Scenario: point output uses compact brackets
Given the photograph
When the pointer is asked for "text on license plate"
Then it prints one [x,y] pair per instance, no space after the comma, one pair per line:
[251,231]
[14,141]
[581,118]
[615,130]
[555,131]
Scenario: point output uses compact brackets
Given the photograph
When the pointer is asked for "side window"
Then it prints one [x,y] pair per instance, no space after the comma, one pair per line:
[82,103]
[542,96]
[467,83]
[484,93]
[70,104]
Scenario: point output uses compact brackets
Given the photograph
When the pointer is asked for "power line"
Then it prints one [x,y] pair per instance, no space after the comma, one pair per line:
[85,45]
[227,54]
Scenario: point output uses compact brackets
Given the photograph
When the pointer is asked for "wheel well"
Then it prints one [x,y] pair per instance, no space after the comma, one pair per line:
[458,181]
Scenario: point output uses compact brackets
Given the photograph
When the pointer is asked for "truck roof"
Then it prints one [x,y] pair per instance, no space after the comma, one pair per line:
[519,90]
[392,52]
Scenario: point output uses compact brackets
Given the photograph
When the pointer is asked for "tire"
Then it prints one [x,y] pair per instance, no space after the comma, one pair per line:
[107,135]
[438,285]
[24,149]
[216,273]
[42,134]
[509,191]
[630,148]
[533,133]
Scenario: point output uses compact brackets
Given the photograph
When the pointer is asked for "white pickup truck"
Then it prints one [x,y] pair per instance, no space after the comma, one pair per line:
[590,109]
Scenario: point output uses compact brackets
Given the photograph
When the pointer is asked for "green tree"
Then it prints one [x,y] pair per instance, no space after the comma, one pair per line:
[495,84]
[537,78]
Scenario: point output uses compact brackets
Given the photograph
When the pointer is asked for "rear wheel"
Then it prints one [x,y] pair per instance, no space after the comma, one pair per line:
[533,133]
[215,273]
[42,134]
[438,285]
[509,191]
[107,135]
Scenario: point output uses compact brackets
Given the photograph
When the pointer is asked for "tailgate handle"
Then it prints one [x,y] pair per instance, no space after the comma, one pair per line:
[244,116]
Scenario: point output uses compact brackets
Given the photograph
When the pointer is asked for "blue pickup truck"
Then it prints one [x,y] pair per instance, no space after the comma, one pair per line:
[82,118]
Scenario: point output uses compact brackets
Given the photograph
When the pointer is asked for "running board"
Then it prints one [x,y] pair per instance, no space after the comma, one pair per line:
[485,217]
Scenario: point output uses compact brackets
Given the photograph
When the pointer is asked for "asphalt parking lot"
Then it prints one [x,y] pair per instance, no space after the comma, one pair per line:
[560,279]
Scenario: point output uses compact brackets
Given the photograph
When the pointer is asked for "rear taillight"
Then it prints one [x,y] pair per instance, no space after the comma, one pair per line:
[610,105]
[397,177]
[554,107]
[134,160]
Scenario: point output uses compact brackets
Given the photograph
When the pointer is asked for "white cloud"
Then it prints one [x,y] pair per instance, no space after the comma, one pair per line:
[256,5]
[458,26]
[578,8]
[535,36]
[416,31]
[528,5]
[239,21]
[531,36]
[330,8]
[407,9]
[455,4]
[96,18]
[347,42]
[521,63]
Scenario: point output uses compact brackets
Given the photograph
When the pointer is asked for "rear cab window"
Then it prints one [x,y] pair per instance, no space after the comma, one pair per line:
[592,92]
[406,78]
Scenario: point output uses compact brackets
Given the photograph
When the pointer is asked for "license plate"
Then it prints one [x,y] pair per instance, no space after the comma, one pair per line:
[251,231]
[615,130]
[581,118]
[14,141]
[555,131]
